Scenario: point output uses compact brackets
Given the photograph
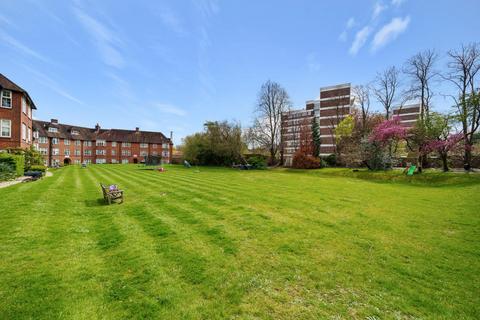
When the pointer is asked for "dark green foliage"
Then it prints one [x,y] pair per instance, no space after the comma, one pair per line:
[40,168]
[316,138]
[16,161]
[220,144]
[7,171]
[32,158]
[257,161]
[331,160]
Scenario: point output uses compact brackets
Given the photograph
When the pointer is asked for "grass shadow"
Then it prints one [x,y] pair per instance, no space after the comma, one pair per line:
[95,203]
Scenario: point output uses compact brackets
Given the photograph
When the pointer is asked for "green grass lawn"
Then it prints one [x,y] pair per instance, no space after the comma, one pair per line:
[223,244]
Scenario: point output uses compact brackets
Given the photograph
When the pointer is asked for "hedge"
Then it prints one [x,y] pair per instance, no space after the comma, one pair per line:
[40,168]
[16,161]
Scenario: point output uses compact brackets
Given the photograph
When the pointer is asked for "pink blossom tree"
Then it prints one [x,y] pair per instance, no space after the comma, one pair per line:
[388,132]
[442,146]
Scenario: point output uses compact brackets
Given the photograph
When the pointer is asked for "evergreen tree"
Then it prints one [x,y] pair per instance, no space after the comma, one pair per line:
[316,138]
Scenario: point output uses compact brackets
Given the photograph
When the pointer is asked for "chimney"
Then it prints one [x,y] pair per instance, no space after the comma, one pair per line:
[137,129]
[54,121]
[97,127]
[171,136]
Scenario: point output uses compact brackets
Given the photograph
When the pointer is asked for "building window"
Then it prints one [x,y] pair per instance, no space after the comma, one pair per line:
[77,152]
[165,154]
[76,161]
[101,161]
[43,151]
[124,161]
[113,152]
[52,129]
[55,151]
[66,142]
[56,162]
[78,143]
[154,145]
[154,153]
[75,132]
[42,140]
[100,152]
[54,140]
[126,144]
[87,143]
[143,153]
[101,143]
[29,112]
[29,134]
[126,153]
[35,134]
[114,160]
[24,131]
[67,152]
[87,152]
[143,145]
[5,128]
[88,161]
[114,144]
[24,105]
[165,146]
[6,99]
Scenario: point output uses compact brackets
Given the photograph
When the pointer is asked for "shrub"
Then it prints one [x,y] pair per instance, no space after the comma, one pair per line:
[40,168]
[257,161]
[16,161]
[304,161]
[331,160]
[7,171]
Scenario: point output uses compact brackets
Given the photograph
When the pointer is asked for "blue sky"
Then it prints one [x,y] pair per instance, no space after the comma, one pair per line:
[171,65]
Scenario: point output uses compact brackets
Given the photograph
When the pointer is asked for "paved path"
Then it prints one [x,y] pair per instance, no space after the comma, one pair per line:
[4,184]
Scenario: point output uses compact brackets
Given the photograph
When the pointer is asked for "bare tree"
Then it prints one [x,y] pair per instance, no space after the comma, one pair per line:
[386,88]
[273,99]
[420,70]
[463,67]
[362,99]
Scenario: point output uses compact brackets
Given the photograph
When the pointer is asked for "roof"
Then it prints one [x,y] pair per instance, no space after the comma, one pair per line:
[7,84]
[117,135]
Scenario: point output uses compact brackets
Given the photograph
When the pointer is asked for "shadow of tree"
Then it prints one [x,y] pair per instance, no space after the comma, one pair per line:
[95,203]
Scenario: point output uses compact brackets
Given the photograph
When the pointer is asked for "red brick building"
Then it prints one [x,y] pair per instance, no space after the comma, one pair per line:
[63,144]
[16,109]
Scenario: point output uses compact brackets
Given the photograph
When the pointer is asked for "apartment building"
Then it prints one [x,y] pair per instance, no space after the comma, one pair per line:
[63,144]
[408,114]
[333,105]
[16,112]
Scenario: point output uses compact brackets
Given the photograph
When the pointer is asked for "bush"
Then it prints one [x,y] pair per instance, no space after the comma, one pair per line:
[331,160]
[17,162]
[40,168]
[257,161]
[304,161]
[7,171]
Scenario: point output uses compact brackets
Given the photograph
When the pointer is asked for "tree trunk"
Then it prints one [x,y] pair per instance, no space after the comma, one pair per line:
[467,163]
[444,162]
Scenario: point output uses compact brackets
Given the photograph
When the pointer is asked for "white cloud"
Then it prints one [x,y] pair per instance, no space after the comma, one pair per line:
[378,8]
[104,38]
[360,39]
[390,32]
[397,3]
[168,108]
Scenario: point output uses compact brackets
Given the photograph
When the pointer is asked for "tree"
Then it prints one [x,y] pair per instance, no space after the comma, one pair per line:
[420,69]
[387,135]
[463,68]
[219,144]
[273,99]
[386,89]
[316,138]
[362,99]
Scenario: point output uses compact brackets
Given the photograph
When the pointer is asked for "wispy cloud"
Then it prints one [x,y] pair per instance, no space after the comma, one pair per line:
[20,47]
[360,39]
[349,25]
[390,32]
[171,21]
[170,109]
[107,41]
[397,3]
[4,20]
[378,8]
[312,62]
[51,84]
